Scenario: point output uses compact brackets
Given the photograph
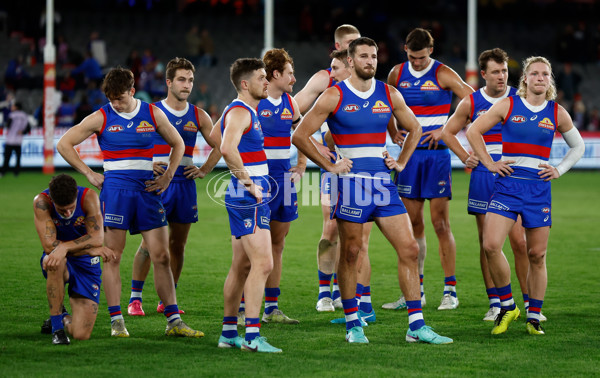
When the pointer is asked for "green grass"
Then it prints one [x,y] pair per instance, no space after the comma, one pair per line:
[314,347]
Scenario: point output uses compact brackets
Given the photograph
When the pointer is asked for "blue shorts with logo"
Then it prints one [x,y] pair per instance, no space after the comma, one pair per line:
[132,210]
[84,275]
[245,213]
[532,199]
[427,175]
[481,189]
[180,201]
[361,199]
[283,200]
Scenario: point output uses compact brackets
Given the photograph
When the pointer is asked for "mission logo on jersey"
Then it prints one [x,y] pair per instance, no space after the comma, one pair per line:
[190,126]
[144,127]
[429,86]
[286,114]
[546,124]
[380,107]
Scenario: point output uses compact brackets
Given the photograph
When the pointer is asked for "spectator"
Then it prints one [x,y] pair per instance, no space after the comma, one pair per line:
[67,85]
[95,96]
[579,113]
[97,48]
[207,48]
[83,109]
[88,71]
[568,81]
[16,76]
[594,122]
[17,126]
[134,63]
[192,45]
[65,115]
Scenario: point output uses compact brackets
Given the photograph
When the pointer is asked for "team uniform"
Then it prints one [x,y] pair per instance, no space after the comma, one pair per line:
[524,192]
[481,184]
[359,126]
[84,271]
[428,173]
[275,117]
[245,213]
[127,144]
[180,198]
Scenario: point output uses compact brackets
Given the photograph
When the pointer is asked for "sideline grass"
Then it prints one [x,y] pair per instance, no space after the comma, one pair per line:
[314,347]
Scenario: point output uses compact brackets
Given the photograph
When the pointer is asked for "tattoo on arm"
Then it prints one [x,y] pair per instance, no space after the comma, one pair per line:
[82,239]
[92,223]
[50,229]
[55,243]
[43,205]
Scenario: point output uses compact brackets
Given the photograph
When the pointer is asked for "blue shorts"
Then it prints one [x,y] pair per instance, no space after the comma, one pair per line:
[180,201]
[245,213]
[360,200]
[481,188]
[427,175]
[132,210]
[84,276]
[283,200]
[532,199]
[325,183]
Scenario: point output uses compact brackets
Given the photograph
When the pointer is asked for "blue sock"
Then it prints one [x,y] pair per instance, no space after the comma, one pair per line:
[136,290]
[415,315]
[535,307]
[56,322]
[359,292]
[172,313]
[242,305]
[506,299]
[271,295]
[336,289]
[229,327]
[526,301]
[421,281]
[324,285]
[115,313]
[252,328]
[493,297]
[365,300]
[351,313]
[450,286]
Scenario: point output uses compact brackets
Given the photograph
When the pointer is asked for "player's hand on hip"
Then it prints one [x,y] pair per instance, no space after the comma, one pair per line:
[158,185]
[548,172]
[400,137]
[297,173]
[193,172]
[472,161]
[96,179]
[342,166]
[159,167]
[390,162]
[502,167]
[256,191]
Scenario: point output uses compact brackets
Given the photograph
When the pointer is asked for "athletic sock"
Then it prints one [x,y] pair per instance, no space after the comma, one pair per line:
[450,286]
[422,290]
[415,315]
[57,323]
[365,300]
[351,313]
[136,290]
[506,299]
[526,301]
[359,292]
[242,305]
[271,295]
[115,313]
[324,285]
[336,289]
[229,327]
[535,307]
[493,297]
[252,328]
[172,313]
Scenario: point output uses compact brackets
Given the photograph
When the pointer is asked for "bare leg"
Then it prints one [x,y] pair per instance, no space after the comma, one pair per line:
[114,239]
[440,218]
[157,242]
[518,243]
[279,230]
[495,230]
[178,235]
[141,263]
[84,317]
[258,249]
[537,244]
[236,278]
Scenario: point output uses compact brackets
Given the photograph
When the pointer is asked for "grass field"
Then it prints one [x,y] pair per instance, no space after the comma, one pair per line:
[571,346]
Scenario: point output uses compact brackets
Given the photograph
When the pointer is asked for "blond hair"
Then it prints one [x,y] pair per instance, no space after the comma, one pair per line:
[522,91]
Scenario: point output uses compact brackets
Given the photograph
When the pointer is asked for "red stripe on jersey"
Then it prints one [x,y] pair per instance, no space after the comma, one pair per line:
[253,157]
[510,108]
[151,107]
[430,110]
[399,74]
[85,191]
[131,153]
[341,98]
[103,122]
[277,142]
[352,139]
[526,148]
[472,106]
[492,138]
[162,149]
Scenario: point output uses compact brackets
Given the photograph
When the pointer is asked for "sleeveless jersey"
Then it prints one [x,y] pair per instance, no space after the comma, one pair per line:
[187,124]
[73,227]
[359,126]
[324,126]
[527,135]
[127,143]
[251,145]
[481,103]
[276,122]
[424,96]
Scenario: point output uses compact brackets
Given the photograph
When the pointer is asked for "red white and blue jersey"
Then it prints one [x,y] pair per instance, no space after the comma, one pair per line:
[481,103]
[424,96]
[127,144]
[71,228]
[275,117]
[527,135]
[359,126]
[187,123]
[324,126]
[251,145]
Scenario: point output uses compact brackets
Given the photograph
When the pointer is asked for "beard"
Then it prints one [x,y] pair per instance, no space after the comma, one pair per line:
[363,74]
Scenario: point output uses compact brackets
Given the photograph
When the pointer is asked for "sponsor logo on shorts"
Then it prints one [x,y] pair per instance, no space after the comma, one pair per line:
[247,222]
[350,211]
[264,220]
[404,189]
[113,218]
[547,217]
[518,119]
[442,183]
[351,108]
[478,204]
[442,190]
[499,206]
[115,128]
[546,210]
[95,260]
[95,287]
